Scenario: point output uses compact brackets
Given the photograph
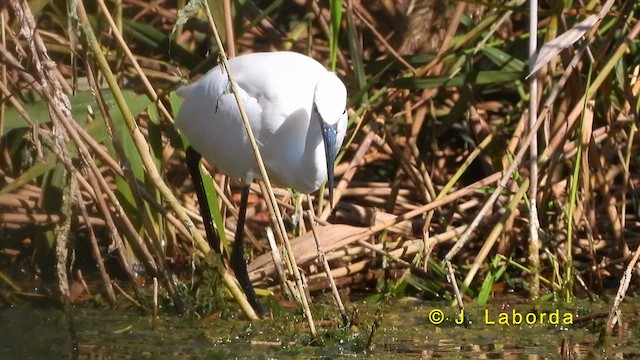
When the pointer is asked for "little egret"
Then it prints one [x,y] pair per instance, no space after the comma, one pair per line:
[297,112]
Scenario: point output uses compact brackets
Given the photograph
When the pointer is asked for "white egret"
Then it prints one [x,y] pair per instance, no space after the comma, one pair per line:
[297,111]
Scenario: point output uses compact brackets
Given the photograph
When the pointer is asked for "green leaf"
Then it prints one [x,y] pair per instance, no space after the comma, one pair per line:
[52,187]
[160,42]
[336,19]
[503,60]
[425,285]
[177,140]
[354,50]
[38,111]
[264,14]
[391,64]
[38,169]
[494,274]
[155,134]
[473,78]
[214,206]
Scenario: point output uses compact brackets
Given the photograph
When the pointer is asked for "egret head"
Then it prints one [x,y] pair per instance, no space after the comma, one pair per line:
[329,104]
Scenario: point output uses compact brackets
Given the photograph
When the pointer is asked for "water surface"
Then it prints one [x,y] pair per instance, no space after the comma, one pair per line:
[406,329]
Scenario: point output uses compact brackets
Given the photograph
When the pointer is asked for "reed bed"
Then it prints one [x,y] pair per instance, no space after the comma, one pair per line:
[437,177]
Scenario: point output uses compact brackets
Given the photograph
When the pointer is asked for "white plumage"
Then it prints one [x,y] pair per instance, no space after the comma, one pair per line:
[278,90]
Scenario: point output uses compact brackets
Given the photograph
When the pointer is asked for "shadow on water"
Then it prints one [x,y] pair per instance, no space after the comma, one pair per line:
[406,330]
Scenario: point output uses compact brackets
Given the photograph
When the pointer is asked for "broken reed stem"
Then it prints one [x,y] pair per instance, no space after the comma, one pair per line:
[323,260]
[451,275]
[95,248]
[622,290]
[128,297]
[277,262]
[7,280]
[154,310]
[228,28]
[534,222]
[61,232]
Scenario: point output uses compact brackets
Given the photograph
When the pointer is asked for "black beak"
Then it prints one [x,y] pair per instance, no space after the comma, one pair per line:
[329,135]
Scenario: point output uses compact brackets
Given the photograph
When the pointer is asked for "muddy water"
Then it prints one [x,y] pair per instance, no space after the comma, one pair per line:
[407,328]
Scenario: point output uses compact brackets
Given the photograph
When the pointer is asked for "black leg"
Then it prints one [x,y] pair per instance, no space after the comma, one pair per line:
[193,163]
[237,256]
[238,264]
